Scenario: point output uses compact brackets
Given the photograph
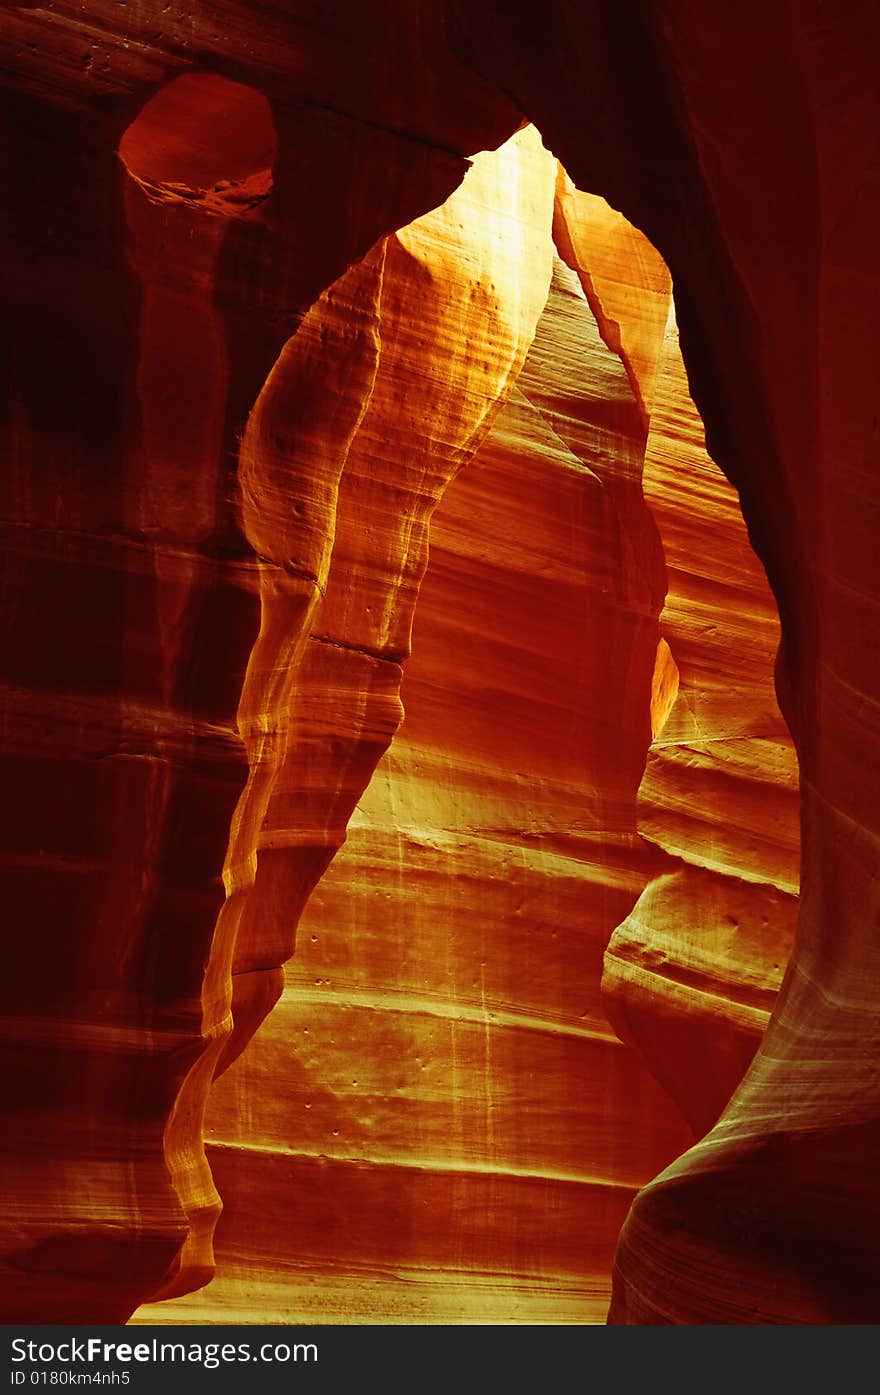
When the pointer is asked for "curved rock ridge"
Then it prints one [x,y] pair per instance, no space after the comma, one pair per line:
[145,329]
[624,278]
[759,191]
[772,1218]
[339,481]
[436,1122]
[371,409]
[691,977]
[743,141]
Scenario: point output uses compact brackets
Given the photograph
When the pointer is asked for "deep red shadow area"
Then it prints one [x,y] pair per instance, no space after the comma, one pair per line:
[204,137]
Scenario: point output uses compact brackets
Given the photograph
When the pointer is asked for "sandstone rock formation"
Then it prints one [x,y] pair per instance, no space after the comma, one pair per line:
[436,1123]
[147,321]
[210,565]
[692,975]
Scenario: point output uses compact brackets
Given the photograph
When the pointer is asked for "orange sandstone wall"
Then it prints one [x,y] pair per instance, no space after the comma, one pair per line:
[436,1123]
[458,937]
[692,975]
[157,268]
[740,144]
[386,391]
[176,484]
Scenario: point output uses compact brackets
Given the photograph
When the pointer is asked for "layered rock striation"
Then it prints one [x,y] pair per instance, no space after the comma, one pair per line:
[436,1123]
[170,314]
[161,253]
[691,977]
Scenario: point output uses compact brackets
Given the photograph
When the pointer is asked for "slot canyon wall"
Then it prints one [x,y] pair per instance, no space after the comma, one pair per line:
[270,315]
[501,855]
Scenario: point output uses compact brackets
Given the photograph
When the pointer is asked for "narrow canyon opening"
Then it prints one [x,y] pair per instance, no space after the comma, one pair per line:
[534,974]
[271,318]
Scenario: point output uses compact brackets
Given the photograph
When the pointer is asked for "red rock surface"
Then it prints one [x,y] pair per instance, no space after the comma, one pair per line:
[692,975]
[176,498]
[438,1105]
